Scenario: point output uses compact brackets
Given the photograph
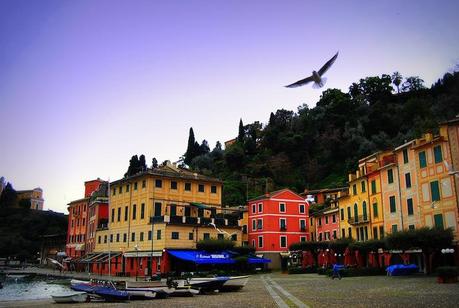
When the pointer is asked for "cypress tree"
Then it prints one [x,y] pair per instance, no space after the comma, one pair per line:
[191,149]
[240,136]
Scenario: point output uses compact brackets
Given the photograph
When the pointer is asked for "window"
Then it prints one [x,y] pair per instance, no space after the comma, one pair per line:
[260,207]
[259,224]
[201,188]
[349,232]
[99,239]
[375,210]
[173,185]
[356,213]
[283,242]
[326,220]
[119,214]
[126,213]
[234,237]
[142,211]
[158,234]
[302,209]
[114,191]
[111,238]
[125,237]
[334,218]
[437,154]
[113,215]
[282,207]
[363,186]
[349,212]
[408,180]
[158,183]
[390,176]
[422,159]
[366,232]
[253,243]
[364,208]
[320,221]
[334,235]
[120,190]
[175,235]
[373,187]
[134,211]
[435,191]
[392,204]
[127,188]
[375,233]
[438,219]
[173,209]
[343,233]
[320,237]
[187,186]
[394,228]
[133,237]
[254,225]
[409,205]
[411,227]
[260,241]
[141,236]
[283,224]
[117,237]
[220,236]
[144,183]
[190,236]
[254,208]
[405,156]
[135,186]
[354,189]
[158,209]
[206,236]
[149,235]
[213,189]
[302,225]
[342,213]
[381,232]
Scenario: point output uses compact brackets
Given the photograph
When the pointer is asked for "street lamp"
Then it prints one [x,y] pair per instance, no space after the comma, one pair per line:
[137,259]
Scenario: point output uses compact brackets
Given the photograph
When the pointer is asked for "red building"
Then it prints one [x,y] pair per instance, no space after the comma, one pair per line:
[97,215]
[277,220]
[78,221]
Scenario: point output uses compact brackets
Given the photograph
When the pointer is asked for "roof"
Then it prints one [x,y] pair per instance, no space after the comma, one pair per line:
[322,190]
[170,171]
[452,121]
[78,200]
[274,193]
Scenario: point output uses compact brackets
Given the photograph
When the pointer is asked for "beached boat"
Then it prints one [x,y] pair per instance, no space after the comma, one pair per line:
[75,297]
[140,294]
[83,287]
[161,290]
[184,292]
[111,294]
[207,284]
[76,281]
[235,283]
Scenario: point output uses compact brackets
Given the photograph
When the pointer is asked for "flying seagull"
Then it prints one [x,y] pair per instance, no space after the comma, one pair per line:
[319,81]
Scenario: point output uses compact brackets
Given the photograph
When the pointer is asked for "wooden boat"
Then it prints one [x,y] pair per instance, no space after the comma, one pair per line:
[235,283]
[207,284]
[75,297]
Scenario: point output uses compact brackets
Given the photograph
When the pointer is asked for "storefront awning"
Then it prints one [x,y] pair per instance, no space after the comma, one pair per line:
[254,260]
[202,257]
[200,205]
[141,254]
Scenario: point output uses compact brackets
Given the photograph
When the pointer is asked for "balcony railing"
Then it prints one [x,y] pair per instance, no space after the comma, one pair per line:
[188,220]
[361,219]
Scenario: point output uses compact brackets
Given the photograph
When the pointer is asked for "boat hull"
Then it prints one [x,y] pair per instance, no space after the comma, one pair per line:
[235,283]
[78,297]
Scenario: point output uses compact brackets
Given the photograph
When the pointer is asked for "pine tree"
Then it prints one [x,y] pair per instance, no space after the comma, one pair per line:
[154,163]
[142,164]
[9,196]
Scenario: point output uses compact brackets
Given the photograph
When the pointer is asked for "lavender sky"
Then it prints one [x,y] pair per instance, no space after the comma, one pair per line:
[84,85]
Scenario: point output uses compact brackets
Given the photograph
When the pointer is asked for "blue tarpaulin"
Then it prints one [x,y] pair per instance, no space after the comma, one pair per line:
[401,269]
[202,257]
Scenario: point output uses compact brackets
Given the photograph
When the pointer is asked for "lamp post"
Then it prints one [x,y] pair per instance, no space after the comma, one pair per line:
[137,259]
[446,252]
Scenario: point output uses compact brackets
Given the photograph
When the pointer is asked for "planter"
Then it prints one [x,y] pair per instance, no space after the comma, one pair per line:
[446,279]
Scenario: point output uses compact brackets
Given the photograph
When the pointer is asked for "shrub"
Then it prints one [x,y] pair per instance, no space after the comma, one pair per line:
[215,245]
[447,271]
[302,270]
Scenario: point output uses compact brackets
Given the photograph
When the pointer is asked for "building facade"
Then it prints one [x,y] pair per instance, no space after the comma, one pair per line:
[277,220]
[35,196]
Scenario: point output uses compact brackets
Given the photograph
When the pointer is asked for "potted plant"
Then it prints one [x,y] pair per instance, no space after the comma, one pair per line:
[447,274]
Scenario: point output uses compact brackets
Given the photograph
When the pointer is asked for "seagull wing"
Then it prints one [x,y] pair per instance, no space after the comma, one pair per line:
[300,83]
[327,65]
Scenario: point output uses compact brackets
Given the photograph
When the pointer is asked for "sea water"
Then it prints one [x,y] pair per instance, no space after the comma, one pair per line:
[29,289]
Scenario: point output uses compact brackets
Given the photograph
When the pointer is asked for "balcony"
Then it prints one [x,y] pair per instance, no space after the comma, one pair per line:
[219,222]
[361,219]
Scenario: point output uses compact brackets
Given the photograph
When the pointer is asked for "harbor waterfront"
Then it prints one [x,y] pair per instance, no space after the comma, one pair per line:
[305,290]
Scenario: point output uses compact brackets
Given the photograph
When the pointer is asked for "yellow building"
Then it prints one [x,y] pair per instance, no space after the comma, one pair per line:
[164,208]
[436,189]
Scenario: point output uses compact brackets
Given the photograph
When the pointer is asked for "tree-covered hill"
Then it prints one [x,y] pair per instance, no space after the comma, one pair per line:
[316,147]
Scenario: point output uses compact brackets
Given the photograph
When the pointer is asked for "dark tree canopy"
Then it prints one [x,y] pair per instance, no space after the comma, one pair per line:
[9,197]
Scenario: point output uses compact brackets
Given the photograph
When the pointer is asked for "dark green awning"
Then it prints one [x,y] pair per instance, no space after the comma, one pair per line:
[200,205]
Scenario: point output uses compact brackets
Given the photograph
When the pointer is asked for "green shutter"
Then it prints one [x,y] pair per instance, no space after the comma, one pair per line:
[364,206]
[408,180]
[356,213]
[409,204]
[438,221]
[422,159]
[405,156]
[354,189]
[437,154]
[394,228]
[373,187]
[392,204]
[435,190]
[390,176]
[375,209]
